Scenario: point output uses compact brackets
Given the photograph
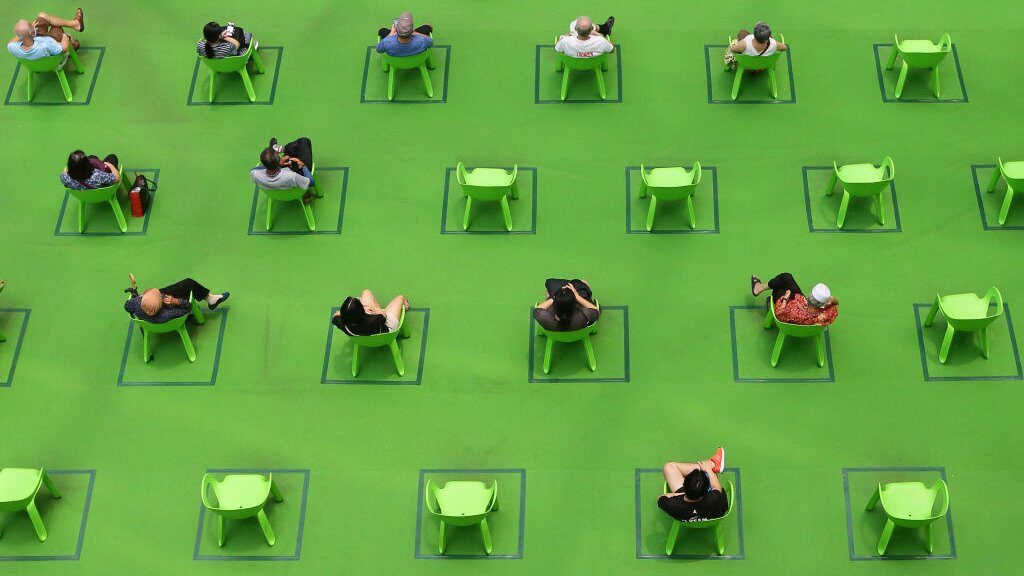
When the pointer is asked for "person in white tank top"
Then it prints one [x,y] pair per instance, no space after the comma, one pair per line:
[760,43]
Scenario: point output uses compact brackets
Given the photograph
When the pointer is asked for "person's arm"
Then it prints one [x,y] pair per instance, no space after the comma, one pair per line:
[113,170]
[738,46]
[580,299]
[65,45]
[713,479]
[781,46]
[545,304]
[381,45]
[224,37]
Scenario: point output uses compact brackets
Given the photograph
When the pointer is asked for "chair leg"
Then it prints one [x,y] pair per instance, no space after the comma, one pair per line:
[902,80]
[428,87]
[308,211]
[486,533]
[257,62]
[928,538]
[819,345]
[268,530]
[275,491]
[875,496]
[391,82]
[892,58]
[222,530]
[643,188]
[843,206]
[213,84]
[650,213]
[1004,210]
[270,212]
[769,320]
[247,82]
[81,217]
[689,211]
[37,521]
[720,540]
[396,352]
[777,351]
[880,209]
[440,538]
[355,359]
[118,214]
[506,212]
[883,542]
[936,69]
[565,83]
[549,344]
[736,81]
[588,346]
[28,85]
[145,346]
[63,79]
[73,55]
[832,183]
[600,84]
[465,216]
[931,313]
[197,314]
[984,342]
[773,83]
[673,535]
[514,190]
[946,341]
[190,350]
[48,482]
[994,180]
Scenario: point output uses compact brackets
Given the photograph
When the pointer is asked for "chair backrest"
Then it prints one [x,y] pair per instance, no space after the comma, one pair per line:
[991,297]
[795,330]
[1015,183]
[12,505]
[231,63]
[430,498]
[583,63]
[478,192]
[378,340]
[938,492]
[169,326]
[927,59]
[571,335]
[286,194]
[208,493]
[886,174]
[748,62]
[47,64]
[674,192]
[407,62]
[730,496]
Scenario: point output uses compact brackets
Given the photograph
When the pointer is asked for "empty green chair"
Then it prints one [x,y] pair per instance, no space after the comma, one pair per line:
[421,61]
[176,325]
[237,64]
[787,330]
[566,64]
[966,313]
[290,194]
[106,194]
[581,335]
[18,490]
[240,496]
[1013,173]
[918,54]
[462,503]
[488,185]
[910,505]
[664,184]
[746,62]
[389,339]
[53,64]
[715,523]
[862,180]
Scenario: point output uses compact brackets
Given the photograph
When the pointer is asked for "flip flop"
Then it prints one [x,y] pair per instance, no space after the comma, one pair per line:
[223,299]
[80,16]
[754,281]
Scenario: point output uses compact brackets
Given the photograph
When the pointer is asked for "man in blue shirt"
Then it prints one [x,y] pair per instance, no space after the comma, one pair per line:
[404,40]
[44,37]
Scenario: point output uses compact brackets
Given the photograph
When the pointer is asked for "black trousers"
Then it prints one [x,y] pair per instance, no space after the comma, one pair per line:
[302,149]
[781,283]
[425,29]
[185,287]
[552,285]
[605,30]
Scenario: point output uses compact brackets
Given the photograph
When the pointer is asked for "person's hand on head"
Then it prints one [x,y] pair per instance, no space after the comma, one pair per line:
[170,300]
[297,162]
[131,279]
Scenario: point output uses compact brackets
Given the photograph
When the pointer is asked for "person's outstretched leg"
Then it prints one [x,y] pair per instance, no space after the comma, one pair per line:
[54,21]
[302,149]
[383,33]
[675,472]
[425,29]
[369,301]
[111,158]
[606,28]
[743,33]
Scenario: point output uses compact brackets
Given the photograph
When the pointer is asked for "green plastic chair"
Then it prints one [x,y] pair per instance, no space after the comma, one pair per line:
[107,194]
[488,185]
[53,64]
[716,523]
[918,54]
[237,64]
[421,61]
[18,490]
[746,62]
[581,335]
[462,503]
[910,505]
[669,184]
[966,313]
[1013,173]
[787,330]
[290,194]
[176,325]
[389,339]
[240,496]
[862,180]
[566,64]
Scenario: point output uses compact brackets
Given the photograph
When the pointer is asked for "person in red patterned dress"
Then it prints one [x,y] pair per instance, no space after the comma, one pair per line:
[792,306]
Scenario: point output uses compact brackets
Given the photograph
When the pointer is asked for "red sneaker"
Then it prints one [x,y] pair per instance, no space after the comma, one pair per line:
[718,460]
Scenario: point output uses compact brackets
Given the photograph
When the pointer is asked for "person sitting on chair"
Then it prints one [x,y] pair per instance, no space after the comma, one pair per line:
[161,305]
[404,40]
[695,493]
[792,307]
[223,41]
[296,156]
[45,36]
[569,306]
[363,316]
[760,43]
[88,172]
[586,39]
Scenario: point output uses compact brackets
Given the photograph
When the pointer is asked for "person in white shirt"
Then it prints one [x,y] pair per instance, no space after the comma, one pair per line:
[760,43]
[586,39]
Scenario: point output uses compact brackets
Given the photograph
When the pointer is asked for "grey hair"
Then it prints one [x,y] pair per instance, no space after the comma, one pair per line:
[762,31]
[584,30]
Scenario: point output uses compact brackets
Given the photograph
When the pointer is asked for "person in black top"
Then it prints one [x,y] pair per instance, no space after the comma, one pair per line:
[695,493]
[363,316]
[569,306]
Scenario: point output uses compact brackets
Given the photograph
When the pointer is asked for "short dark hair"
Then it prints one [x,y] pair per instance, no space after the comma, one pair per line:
[564,304]
[762,32]
[269,159]
[696,484]
[79,166]
[211,33]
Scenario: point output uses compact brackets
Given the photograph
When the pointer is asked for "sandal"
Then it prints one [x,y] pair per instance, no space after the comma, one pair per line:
[754,281]
[80,16]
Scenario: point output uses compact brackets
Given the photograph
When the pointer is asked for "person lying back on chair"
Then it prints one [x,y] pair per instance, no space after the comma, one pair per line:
[89,172]
[404,40]
[792,307]
[164,304]
[44,37]
[363,316]
[695,493]
[296,157]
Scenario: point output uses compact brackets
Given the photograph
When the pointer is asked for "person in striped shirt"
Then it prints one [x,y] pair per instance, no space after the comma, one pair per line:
[223,41]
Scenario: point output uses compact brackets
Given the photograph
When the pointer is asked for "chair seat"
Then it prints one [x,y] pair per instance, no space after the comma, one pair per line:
[238,491]
[919,47]
[908,501]
[1014,170]
[669,177]
[859,173]
[18,484]
[964,307]
[463,498]
[488,177]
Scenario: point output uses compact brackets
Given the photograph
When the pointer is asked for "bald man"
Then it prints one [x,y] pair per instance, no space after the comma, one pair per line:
[44,37]
[164,304]
[586,39]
